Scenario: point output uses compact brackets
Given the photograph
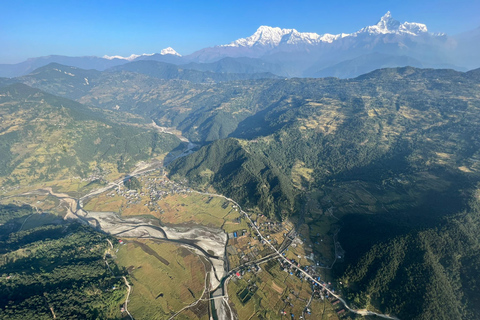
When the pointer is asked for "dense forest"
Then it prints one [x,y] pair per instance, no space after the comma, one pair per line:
[426,274]
[12,212]
[57,271]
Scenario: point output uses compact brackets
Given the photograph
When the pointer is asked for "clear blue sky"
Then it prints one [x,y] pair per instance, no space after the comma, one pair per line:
[32,28]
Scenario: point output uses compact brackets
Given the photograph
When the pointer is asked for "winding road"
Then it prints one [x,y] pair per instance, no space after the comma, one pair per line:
[362,312]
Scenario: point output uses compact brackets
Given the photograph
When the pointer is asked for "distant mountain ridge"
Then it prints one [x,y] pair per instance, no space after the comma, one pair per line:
[132,57]
[268,36]
[168,71]
[87,62]
[305,54]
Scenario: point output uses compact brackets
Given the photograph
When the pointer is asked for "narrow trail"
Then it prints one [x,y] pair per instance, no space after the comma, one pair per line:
[24,222]
[307,305]
[128,296]
[123,277]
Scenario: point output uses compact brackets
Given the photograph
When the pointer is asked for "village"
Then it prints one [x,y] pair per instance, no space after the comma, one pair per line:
[251,250]
[149,190]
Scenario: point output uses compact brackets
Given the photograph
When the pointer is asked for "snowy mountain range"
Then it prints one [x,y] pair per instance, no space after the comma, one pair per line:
[388,36]
[132,57]
[388,43]
[273,37]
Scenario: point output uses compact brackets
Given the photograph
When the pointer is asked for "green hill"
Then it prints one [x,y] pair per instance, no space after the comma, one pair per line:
[60,80]
[44,137]
[391,156]
[252,179]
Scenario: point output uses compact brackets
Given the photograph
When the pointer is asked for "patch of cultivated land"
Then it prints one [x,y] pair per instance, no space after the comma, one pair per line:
[274,294]
[168,201]
[166,277]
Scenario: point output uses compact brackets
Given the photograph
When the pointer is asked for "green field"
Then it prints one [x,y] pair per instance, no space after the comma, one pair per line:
[166,277]
[274,291]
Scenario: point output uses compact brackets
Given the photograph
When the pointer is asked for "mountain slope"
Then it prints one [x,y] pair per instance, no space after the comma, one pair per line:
[429,274]
[61,80]
[230,167]
[237,65]
[366,63]
[314,131]
[44,138]
[390,156]
[60,270]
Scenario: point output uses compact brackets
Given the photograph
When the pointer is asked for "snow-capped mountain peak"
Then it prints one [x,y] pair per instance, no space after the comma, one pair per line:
[132,57]
[271,37]
[129,58]
[389,25]
[265,36]
[169,50]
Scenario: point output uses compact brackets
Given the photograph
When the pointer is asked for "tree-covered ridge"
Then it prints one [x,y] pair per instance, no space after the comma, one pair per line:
[206,112]
[58,271]
[430,274]
[9,212]
[178,103]
[251,178]
[44,137]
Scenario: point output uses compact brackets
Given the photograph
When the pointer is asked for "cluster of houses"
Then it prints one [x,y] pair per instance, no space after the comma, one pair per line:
[269,226]
[319,291]
[132,196]
[154,188]
[157,188]
[97,174]
[247,268]
[9,188]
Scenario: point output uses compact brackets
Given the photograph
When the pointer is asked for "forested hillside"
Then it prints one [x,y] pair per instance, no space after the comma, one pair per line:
[44,137]
[430,274]
[56,271]
[372,129]
[393,155]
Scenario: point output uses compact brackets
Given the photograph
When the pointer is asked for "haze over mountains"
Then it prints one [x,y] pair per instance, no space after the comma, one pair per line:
[288,52]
